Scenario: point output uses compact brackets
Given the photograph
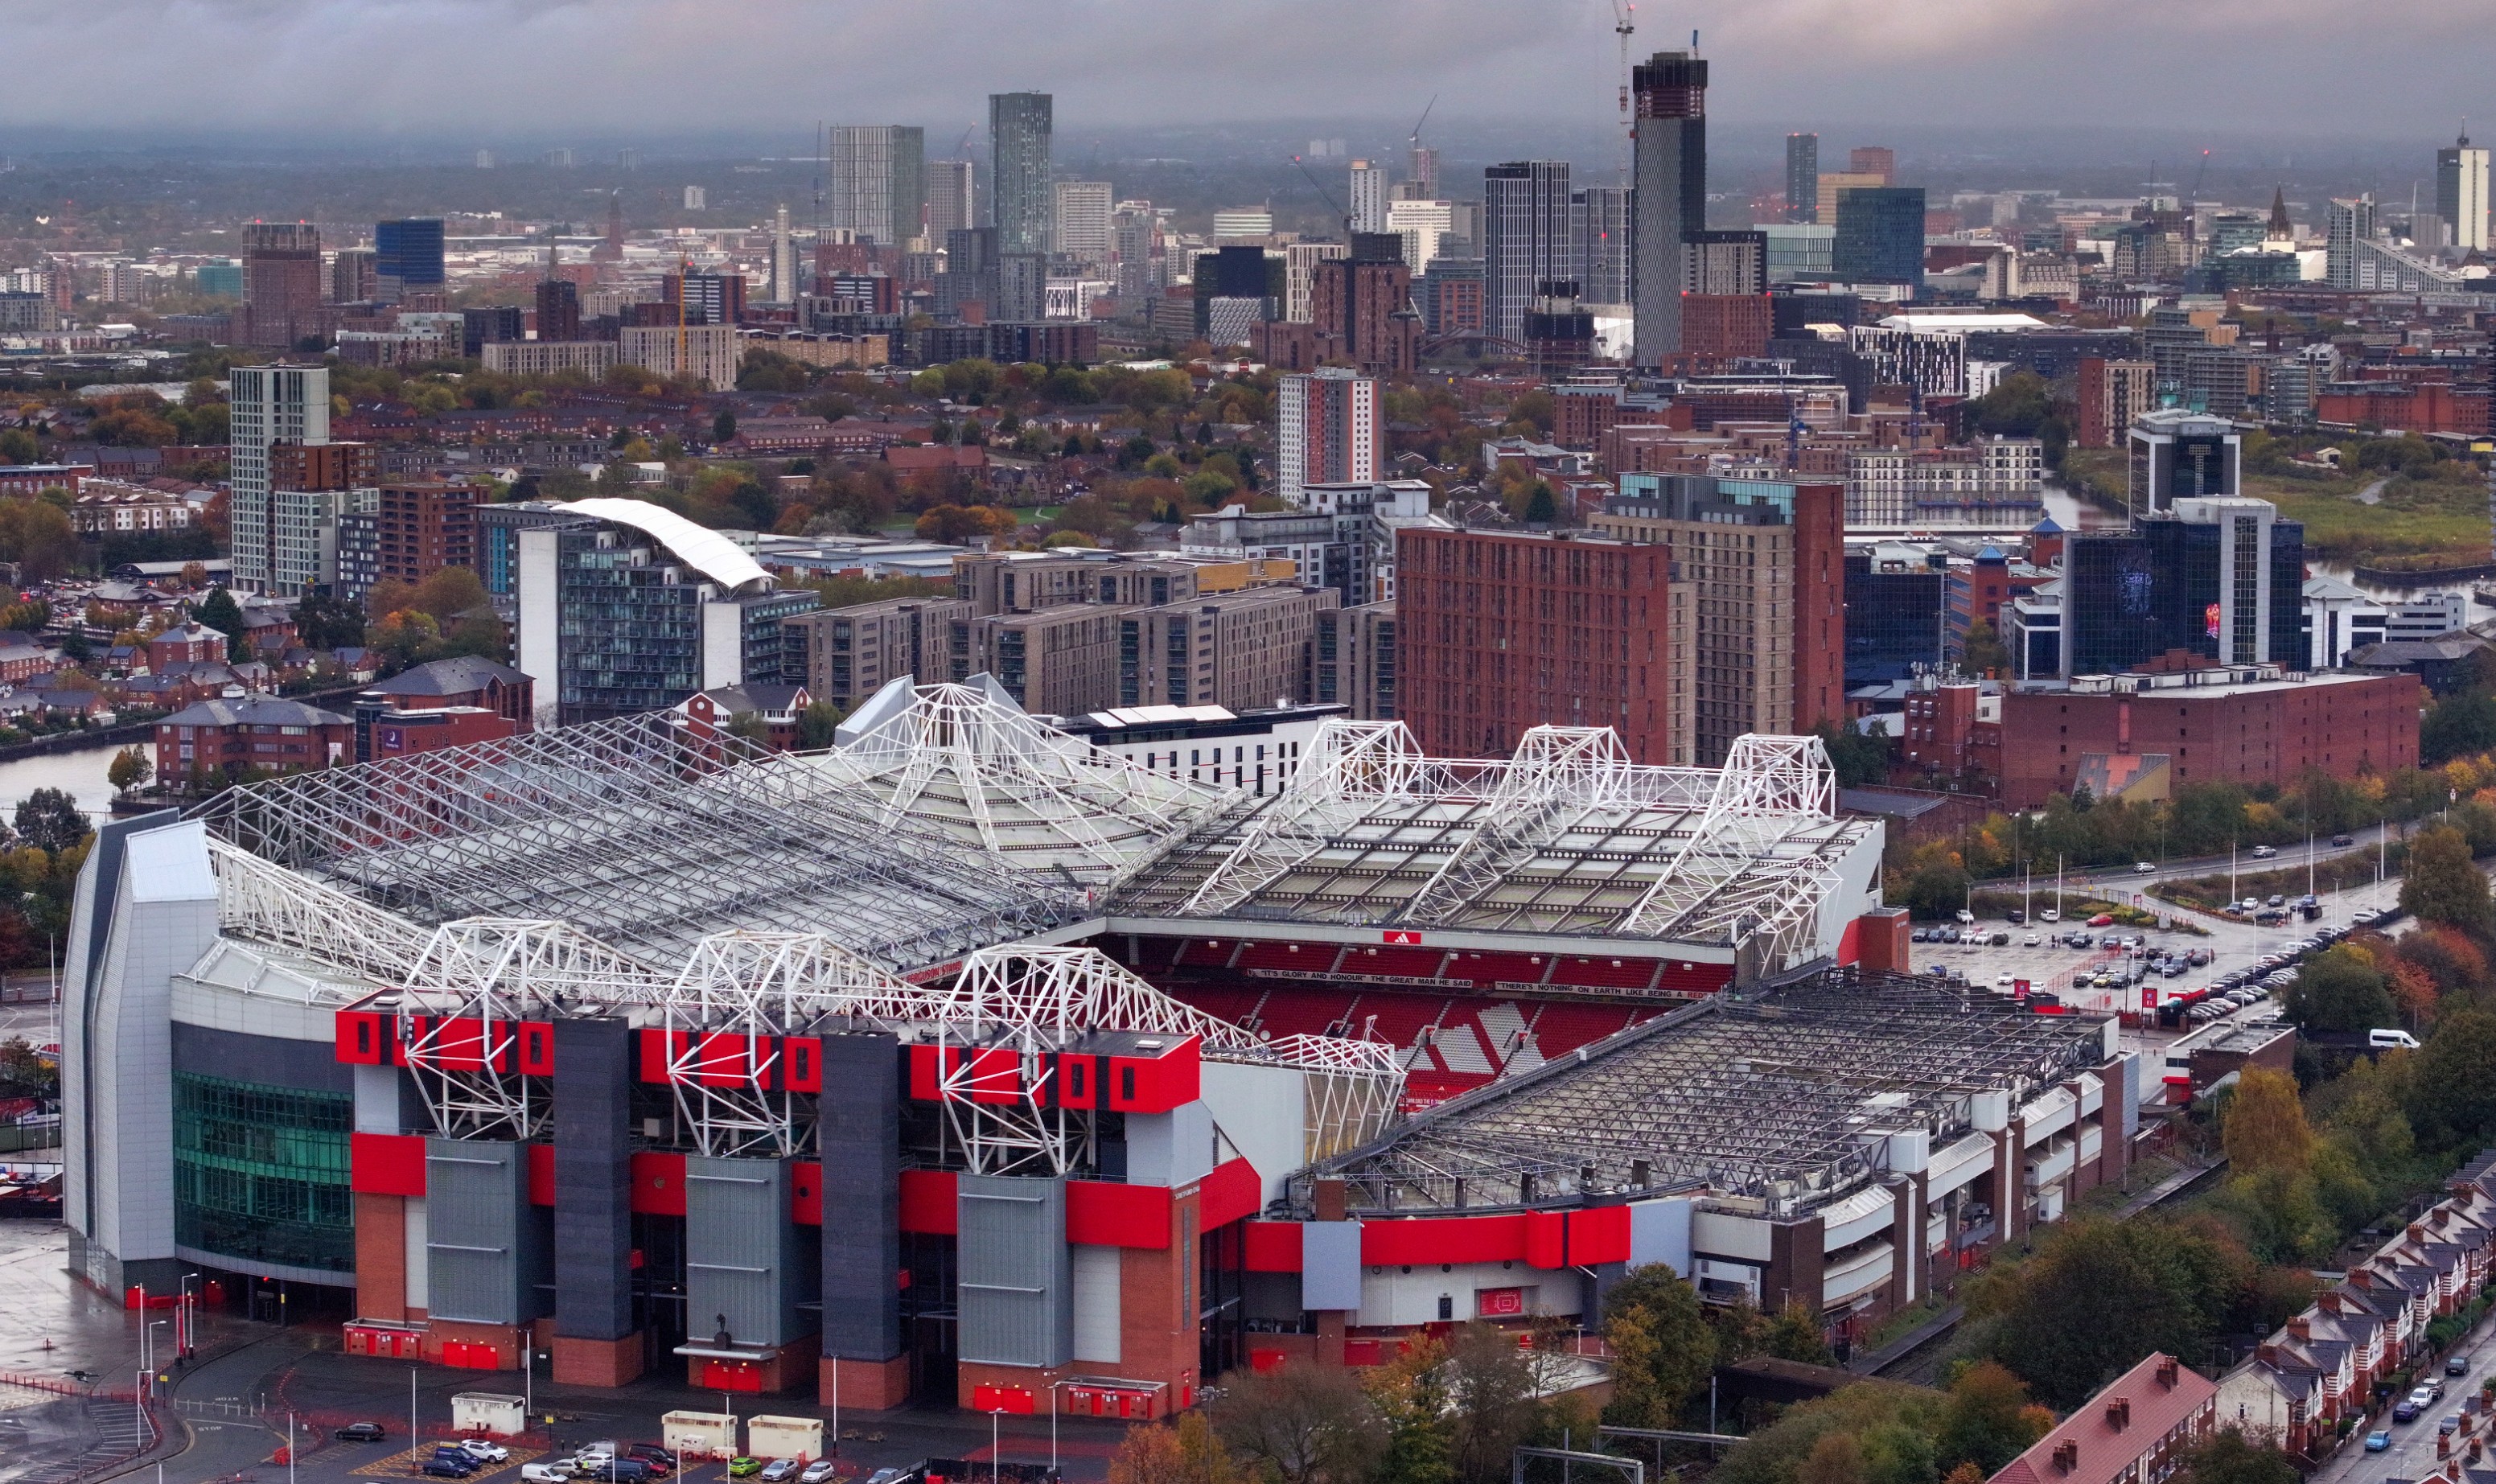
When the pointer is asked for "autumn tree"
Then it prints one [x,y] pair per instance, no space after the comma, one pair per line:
[1661,1347]
[128,769]
[2228,1457]
[2266,1126]
[2339,989]
[1410,1395]
[2442,884]
[1300,1424]
[2098,1295]
[1988,1421]
[49,819]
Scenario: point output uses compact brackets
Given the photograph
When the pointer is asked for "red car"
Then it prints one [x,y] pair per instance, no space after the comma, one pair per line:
[2103,919]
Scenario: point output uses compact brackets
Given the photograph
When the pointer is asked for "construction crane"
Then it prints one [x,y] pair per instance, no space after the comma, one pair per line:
[1325,196]
[1424,175]
[2197,177]
[1623,23]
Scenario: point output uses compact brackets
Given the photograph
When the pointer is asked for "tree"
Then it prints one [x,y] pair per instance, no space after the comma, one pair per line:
[1412,1400]
[1661,1347]
[1300,1424]
[1989,1420]
[2456,726]
[1985,653]
[48,819]
[1542,508]
[219,612]
[1795,1335]
[816,726]
[323,622]
[129,769]
[751,725]
[2266,1126]
[1157,1453]
[2452,1091]
[2099,1294]
[2440,883]
[450,594]
[2339,990]
[1490,1387]
[1857,760]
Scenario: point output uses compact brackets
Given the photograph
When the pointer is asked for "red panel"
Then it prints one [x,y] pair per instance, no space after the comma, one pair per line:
[732,1376]
[537,1048]
[801,1064]
[363,1038]
[541,1174]
[1849,943]
[1443,1239]
[729,1061]
[416,1027]
[459,1044]
[386,1164]
[996,1074]
[806,1189]
[1363,1352]
[1273,1247]
[1014,1400]
[658,1184]
[1232,1191]
[1265,1361]
[1598,1234]
[654,1054]
[927,1203]
[1156,1084]
[1078,1081]
[927,1083]
[1100,1213]
[1547,1238]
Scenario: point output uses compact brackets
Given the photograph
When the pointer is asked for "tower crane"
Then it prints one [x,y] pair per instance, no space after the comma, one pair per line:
[1625,22]
[2197,177]
[1325,195]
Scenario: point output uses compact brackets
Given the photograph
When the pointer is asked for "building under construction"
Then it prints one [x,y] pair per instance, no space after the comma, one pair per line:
[963,1061]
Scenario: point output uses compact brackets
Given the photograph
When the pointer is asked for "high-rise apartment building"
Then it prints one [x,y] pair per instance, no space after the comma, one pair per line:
[849,654]
[1421,172]
[1136,238]
[877,182]
[2221,578]
[1802,177]
[408,258]
[1525,240]
[1670,90]
[1875,160]
[355,275]
[708,299]
[1330,428]
[2178,453]
[952,199]
[1755,624]
[709,353]
[1367,201]
[2352,224]
[1501,632]
[1084,229]
[1353,661]
[1881,236]
[1725,261]
[624,607]
[559,310]
[2112,393]
[311,488]
[2461,193]
[266,406]
[1600,233]
[1239,650]
[1361,307]
[1421,224]
[1022,198]
[425,526]
[281,282]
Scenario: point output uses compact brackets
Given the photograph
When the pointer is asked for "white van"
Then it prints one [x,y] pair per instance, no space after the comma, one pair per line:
[2381,1039]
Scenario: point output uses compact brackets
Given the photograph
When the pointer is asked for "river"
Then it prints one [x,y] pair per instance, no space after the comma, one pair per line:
[81,772]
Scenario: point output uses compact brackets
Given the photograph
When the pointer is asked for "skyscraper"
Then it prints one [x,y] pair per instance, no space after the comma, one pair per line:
[1873,160]
[2461,193]
[407,258]
[2352,222]
[1670,172]
[1422,173]
[559,310]
[952,204]
[1329,428]
[1881,235]
[876,181]
[1367,203]
[1137,232]
[281,282]
[784,259]
[1084,208]
[1021,197]
[1525,238]
[1361,305]
[266,405]
[1802,177]
[1599,229]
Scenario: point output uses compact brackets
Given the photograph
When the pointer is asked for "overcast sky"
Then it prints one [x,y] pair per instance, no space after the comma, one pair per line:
[458,70]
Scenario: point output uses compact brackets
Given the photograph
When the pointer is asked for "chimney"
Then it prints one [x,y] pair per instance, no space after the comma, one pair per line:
[2118,1413]
[2417,1233]
[2166,1369]
[2301,1327]
[2067,1456]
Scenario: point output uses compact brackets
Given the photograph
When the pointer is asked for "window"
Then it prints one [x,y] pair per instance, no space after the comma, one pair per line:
[261,1172]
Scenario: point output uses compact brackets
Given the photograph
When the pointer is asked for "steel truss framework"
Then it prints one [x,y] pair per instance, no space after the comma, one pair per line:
[1568,837]
[643,831]
[1774,1098]
[968,762]
[461,992]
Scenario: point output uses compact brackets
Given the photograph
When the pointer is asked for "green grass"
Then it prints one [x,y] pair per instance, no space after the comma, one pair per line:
[2419,522]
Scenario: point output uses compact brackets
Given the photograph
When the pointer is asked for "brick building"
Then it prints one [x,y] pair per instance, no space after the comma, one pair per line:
[1725,325]
[2247,724]
[258,732]
[405,733]
[1498,632]
[1242,650]
[2137,1431]
[425,526]
[464,680]
[1756,625]
[851,653]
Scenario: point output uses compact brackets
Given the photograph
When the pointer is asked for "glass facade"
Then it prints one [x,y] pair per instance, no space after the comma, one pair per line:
[1894,622]
[260,1172]
[1880,234]
[2131,598]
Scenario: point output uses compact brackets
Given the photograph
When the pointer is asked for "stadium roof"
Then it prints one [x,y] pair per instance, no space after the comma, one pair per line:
[1784,1096]
[705,550]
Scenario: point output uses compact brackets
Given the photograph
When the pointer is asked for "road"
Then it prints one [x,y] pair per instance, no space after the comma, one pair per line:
[2412,1454]
[2122,878]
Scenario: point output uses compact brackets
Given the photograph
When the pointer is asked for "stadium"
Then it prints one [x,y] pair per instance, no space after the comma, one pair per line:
[960,1061]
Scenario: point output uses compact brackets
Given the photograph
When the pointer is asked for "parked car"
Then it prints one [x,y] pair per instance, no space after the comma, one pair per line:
[1920,935]
[2451,1425]
[2405,1411]
[551,1473]
[743,1467]
[2049,915]
[2457,1363]
[2102,920]
[446,1466]
[361,1431]
[661,1462]
[480,1448]
[778,1472]
[2379,1439]
[2365,917]
[820,1471]
[1964,915]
